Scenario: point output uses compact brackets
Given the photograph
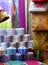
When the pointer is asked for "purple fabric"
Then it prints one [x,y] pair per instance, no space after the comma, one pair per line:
[4,58]
[6,5]
[21,13]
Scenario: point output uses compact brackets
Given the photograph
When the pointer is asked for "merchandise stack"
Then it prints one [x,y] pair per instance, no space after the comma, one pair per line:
[15,48]
[39,10]
[14,45]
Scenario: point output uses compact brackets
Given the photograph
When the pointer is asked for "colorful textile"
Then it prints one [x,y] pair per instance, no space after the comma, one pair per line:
[21,13]
[1,64]
[44,46]
[40,1]
[16,63]
[15,16]
[39,21]
[6,5]
[32,62]
[40,40]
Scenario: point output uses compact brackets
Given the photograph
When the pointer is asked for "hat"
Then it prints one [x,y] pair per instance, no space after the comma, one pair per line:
[3,15]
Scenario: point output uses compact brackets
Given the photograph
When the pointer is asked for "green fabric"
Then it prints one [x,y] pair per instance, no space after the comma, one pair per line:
[16,63]
[38,54]
[6,24]
[40,38]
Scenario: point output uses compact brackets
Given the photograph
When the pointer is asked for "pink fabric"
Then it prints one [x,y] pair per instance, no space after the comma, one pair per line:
[1,64]
[32,62]
[40,1]
[22,13]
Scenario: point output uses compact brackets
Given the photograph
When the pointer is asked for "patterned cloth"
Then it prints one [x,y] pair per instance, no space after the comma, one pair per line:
[40,40]
[39,21]
[32,62]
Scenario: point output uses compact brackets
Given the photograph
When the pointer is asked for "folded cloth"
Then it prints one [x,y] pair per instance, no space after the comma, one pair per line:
[38,7]
[40,1]
[32,62]
[35,63]
[39,21]
[16,63]
[40,39]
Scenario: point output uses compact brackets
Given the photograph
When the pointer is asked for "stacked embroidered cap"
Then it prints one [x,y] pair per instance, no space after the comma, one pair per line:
[3,15]
[38,6]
